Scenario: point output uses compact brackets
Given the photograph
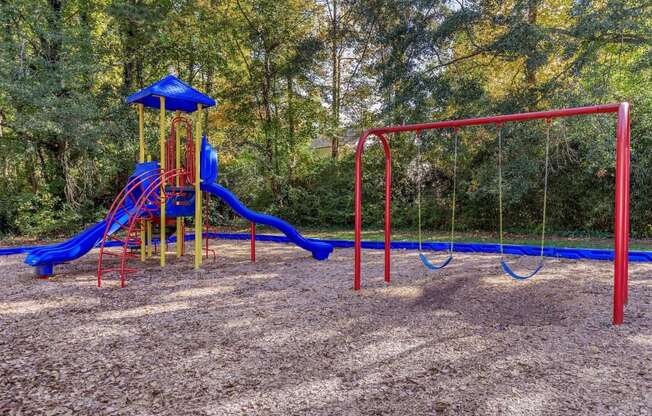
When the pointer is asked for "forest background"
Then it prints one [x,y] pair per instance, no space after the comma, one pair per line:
[298,81]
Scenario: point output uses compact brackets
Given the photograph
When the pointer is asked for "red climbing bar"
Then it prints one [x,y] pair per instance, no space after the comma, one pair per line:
[253,242]
[622,184]
[628,174]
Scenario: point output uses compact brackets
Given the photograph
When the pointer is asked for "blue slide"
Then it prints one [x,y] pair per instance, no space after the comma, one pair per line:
[45,257]
[209,174]
[319,250]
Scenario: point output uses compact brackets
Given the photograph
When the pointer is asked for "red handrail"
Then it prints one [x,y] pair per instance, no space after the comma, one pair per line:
[122,195]
[145,198]
[136,214]
[621,198]
[189,150]
[117,204]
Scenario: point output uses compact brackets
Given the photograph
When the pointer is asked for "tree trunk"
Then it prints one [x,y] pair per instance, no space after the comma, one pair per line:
[335,82]
[31,170]
[53,44]
[53,144]
[268,125]
[530,67]
[291,127]
[132,67]
[208,87]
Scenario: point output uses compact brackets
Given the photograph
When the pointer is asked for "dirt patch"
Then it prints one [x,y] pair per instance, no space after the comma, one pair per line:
[288,336]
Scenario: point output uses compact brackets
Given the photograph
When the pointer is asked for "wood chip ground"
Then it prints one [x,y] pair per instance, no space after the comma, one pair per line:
[288,336]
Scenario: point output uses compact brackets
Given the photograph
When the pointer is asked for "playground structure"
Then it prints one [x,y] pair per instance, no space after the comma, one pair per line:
[162,194]
[167,195]
[621,227]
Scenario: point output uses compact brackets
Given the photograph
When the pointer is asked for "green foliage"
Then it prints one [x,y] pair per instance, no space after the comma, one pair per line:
[44,215]
[288,72]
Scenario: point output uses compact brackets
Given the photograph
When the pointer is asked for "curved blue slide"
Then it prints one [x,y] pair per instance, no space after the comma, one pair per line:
[319,250]
[47,256]
[44,258]
[209,173]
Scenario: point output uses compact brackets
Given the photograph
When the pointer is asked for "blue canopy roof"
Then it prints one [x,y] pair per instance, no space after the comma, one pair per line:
[178,96]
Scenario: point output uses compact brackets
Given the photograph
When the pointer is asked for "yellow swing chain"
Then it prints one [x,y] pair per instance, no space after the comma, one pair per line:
[545,188]
[420,184]
[454,197]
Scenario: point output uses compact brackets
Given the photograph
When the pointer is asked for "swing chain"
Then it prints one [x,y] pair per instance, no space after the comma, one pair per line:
[454,197]
[418,141]
[545,188]
[545,185]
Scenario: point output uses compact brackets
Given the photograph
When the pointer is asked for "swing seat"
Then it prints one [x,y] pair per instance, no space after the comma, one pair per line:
[433,266]
[515,276]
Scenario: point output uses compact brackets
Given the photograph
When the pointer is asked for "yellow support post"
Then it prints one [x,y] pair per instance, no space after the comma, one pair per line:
[181,239]
[141,159]
[199,224]
[162,162]
[141,132]
[149,227]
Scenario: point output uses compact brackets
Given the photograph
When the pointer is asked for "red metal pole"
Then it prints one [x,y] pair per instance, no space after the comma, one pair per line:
[388,206]
[358,208]
[621,232]
[357,246]
[253,242]
[182,232]
[627,207]
[207,200]
[567,112]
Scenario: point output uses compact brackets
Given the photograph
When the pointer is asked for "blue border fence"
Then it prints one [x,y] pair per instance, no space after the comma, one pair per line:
[522,250]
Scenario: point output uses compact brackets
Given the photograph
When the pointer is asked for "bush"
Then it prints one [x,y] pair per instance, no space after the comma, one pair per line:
[42,214]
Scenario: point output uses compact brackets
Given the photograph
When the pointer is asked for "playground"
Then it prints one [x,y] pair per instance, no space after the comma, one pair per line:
[325,208]
[287,335]
[116,320]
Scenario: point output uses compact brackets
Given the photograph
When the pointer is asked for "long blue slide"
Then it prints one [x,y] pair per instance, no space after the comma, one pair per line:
[209,173]
[319,250]
[45,257]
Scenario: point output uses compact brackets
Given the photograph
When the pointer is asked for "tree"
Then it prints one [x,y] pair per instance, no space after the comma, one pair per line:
[348,38]
[275,49]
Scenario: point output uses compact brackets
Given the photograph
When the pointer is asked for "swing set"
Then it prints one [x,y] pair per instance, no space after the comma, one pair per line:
[503,262]
[621,228]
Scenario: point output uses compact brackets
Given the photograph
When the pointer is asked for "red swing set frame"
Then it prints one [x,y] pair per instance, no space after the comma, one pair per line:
[621,227]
